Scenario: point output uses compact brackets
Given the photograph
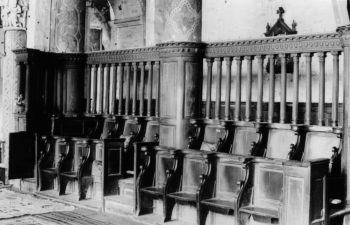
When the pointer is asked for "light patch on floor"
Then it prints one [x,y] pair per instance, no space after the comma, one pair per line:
[26,220]
[14,204]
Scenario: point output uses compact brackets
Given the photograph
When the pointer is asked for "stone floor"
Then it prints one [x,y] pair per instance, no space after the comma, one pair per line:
[25,209]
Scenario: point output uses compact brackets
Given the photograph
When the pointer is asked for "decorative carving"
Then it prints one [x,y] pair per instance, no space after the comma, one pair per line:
[173,49]
[280,27]
[276,45]
[14,13]
[20,106]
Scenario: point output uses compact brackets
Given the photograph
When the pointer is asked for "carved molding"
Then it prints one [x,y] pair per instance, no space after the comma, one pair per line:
[128,55]
[276,45]
[180,49]
[344,32]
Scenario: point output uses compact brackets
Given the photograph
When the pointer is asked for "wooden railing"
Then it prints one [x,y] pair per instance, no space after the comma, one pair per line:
[123,82]
[288,52]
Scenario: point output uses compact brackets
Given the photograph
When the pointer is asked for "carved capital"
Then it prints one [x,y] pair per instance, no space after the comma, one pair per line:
[344,32]
[14,13]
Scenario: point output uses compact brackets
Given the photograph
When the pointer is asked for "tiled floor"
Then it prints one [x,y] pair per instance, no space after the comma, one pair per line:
[25,209]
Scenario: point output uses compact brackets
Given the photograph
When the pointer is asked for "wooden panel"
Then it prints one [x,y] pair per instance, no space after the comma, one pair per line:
[168,89]
[295,200]
[279,141]
[320,145]
[192,88]
[21,155]
[228,175]
[192,169]
[167,137]
[163,163]
[243,138]
[269,186]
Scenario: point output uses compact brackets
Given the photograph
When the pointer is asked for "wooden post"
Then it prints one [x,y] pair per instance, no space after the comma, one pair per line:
[106,84]
[99,97]
[142,88]
[321,88]
[121,81]
[149,88]
[157,66]
[295,88]
[260,88]
[249,87]
[283,88]
[134,93]
[335,89]
[112,89]
[228,61]
[88,89]
[238,88]
[209,85]
[271,88]
[218,87]
[308,58]
[127,91]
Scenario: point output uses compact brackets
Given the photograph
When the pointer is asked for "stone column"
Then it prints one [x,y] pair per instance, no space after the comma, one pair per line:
[181,71]
[69,38]
[15,37]
[345,41]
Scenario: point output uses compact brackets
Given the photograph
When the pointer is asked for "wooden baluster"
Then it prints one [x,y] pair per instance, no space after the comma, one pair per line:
[64,91]
[121,81]
[88,88]
[127,91]
[59,90]
[112,89]
[142,88]
[228,61]
[271,88]
[335,89]
[295,88]
[93,88]
[99,89]
[149,88]
[218,87]
[238,88]
[283,88]
[248,87]
[106,89]
[209,84]
[134,93]
[321,94]
[260,88]
[157,65]
[308,58]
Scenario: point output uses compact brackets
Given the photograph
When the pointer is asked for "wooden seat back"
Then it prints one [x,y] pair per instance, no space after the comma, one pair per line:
[164,162]
[152,132]
[214,135]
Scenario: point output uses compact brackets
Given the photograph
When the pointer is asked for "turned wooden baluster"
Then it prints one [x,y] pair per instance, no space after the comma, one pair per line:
[209,84]
[59,90]
[142,88]
[93,88]
[121,81]
[88,88]
[271,88]
[106,84]
[238,88]
[283,88]
[335,89]
[295,88]
[127,91]
[321,95]
[157,66]
[149,91]
[260,88]
[248,87]
[134,93]
[228,61]
[218,87]
[99,89]
[308,58]
[112,88]
[64,91]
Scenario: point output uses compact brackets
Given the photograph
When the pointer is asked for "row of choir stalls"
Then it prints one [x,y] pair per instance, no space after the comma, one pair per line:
[266,129]
[268,148]
[84,122]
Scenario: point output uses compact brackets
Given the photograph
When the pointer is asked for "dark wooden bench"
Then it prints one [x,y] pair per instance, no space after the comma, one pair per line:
[76,166]
[184,181]
[151,182]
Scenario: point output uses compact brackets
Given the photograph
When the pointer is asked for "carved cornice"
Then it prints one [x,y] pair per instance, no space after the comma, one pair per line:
[181,49]
[344,32]
[276,45]
[128,55]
